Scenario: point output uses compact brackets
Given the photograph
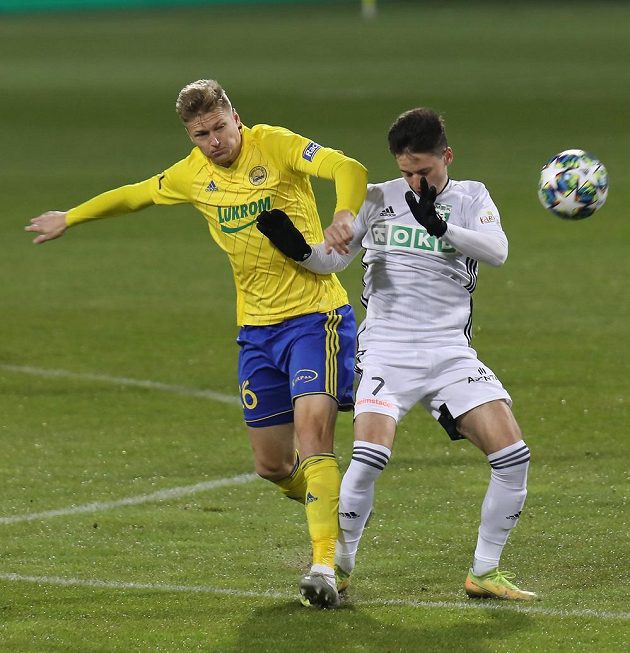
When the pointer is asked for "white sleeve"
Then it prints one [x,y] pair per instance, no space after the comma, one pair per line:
[322,263]
[488,246]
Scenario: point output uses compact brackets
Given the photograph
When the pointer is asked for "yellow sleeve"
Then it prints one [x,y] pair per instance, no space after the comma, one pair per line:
[350,179]
[125,199]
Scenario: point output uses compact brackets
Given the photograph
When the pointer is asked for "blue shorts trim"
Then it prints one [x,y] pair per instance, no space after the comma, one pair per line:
[305,355]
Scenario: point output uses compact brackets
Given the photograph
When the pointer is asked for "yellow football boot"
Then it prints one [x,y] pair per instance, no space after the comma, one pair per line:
[496,585]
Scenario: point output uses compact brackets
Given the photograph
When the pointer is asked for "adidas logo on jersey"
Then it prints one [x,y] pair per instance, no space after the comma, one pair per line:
[211,187]
[388,211]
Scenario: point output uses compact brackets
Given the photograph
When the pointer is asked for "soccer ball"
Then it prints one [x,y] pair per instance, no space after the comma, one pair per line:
[573,184]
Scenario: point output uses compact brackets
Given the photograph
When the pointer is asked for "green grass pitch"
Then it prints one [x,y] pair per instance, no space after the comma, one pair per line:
[125,521]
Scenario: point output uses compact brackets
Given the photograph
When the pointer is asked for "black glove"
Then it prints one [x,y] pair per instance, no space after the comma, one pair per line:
[424,209]
[277,226]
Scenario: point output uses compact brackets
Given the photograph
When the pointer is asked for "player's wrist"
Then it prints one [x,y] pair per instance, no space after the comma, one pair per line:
[439,228]
[343,217]
[302,253]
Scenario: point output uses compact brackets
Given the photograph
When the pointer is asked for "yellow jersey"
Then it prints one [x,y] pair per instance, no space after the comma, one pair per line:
[272,170]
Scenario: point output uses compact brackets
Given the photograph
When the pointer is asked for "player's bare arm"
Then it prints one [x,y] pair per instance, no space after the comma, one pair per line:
[49,225]
[338,234]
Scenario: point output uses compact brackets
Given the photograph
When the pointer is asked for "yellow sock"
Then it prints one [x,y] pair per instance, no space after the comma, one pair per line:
[322,505]
[294,485]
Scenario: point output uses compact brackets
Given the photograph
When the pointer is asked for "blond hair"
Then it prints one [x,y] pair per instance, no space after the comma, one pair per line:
[202,96]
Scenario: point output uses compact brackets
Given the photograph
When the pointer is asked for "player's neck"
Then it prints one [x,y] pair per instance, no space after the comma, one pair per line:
[446,183]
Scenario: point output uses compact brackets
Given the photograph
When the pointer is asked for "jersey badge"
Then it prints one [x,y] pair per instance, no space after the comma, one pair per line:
[257,175]
[211,187]
[443,210]
[310,151]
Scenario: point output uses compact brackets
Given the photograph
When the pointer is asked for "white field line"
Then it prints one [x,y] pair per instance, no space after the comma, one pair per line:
[117,585]
[124,381]
[159,495]
[155,496]
[603,615]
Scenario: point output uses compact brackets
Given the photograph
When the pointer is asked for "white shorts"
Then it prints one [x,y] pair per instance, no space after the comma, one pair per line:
[447,381]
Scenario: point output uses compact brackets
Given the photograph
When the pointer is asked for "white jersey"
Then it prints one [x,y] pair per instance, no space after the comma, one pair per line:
[418,288]
[414,344]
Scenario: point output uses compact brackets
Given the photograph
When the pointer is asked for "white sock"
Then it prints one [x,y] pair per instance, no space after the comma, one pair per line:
[356,498]
[326,571]
[502,504]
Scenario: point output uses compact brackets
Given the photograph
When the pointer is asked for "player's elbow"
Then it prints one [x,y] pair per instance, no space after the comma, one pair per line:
[498,253]
[499,257]
[361,175]
[361,170]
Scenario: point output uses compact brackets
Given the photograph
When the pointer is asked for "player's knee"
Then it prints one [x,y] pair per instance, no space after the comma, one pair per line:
[314,446]
[315,423]
[273,471]
[314,437]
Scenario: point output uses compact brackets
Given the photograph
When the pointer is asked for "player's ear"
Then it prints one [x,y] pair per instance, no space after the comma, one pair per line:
[237,118]
[448,156]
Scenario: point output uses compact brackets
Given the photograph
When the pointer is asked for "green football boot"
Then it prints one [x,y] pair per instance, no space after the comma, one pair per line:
[343,579]
[496,585]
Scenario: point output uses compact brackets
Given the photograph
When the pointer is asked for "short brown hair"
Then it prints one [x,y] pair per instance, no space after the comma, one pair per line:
[202,96]
[418,131]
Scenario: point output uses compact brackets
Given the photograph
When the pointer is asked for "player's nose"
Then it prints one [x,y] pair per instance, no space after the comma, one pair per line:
[415,183]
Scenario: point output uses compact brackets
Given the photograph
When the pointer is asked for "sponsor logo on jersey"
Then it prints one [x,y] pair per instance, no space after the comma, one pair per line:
[257,175]
[304,376]
[310,151]
[211,187]
[388,212]
[488,216]
[375,402]
[415,238]
[483,376]
[229,214]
